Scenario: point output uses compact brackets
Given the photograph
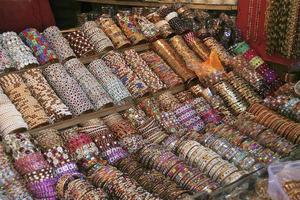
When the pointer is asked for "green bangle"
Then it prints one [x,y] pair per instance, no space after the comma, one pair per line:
[256,62]
[241,48]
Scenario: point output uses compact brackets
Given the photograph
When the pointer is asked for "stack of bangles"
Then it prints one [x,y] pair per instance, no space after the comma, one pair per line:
[96,37]
[80,44]
[280,125]
[30,163]
[89,84]
[127,24]
[18,51]
[243,88]
[149,30]
[11,181]
[148,127]
[39,45]
[107,143]
[124,131]
[113,32]
[68,89]
[286,105]
[161,68]
[261,153]
[186,114]
[155,157]
[58,43]
[163,49]
[205,111]
[75,186]
[251,76]
[232,98]
[117,184]
[166,119]
[54,151]
[162,25]
[258,64]
[175,22]
[208,162]
[81,145]
[215,101]
[247,125]
[140,67]
[190,58]
[20,95]
[112,85]
[197,46]
[232,153]
[12,118]
[152,180]
[42,91]
[118,65]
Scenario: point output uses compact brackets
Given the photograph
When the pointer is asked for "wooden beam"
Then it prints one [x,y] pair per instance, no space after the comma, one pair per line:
[158,4]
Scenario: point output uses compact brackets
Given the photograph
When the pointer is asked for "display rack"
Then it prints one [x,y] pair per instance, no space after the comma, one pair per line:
[158,4]
[105,111]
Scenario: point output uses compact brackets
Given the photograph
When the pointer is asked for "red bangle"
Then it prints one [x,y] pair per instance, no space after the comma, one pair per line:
[77,142]
[250,54]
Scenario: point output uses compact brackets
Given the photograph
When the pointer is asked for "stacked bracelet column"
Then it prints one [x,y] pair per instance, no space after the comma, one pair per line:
[67,89]
[118,65]
[11,181]
[112,85]
[17,50]
[20,95]
[30,163]
[94,91]
[107,143]
[11,119]
[39,45]
[58,43]
[42,91]
[97,37]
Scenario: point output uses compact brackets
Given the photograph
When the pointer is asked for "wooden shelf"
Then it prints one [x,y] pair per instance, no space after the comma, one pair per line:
[138,48]
[158,4]
[103,112]
[82,118]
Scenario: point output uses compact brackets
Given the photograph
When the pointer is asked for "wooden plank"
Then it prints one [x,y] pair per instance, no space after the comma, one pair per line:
[103,112]
[82,118]
[69,30]
[158,4]
[173,90]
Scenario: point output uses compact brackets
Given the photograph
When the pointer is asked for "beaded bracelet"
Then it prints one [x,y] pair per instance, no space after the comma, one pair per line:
[58,43]
[128,26]
[112,85]
[119,67]
[79,43]
[140,67]
[96,37]
[38,44]
[67,89]
[42,91]
[113,32]
[17,50]
[95,92]
[162,69]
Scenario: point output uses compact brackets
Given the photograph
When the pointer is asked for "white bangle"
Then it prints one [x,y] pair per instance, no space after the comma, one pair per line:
[171,16]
